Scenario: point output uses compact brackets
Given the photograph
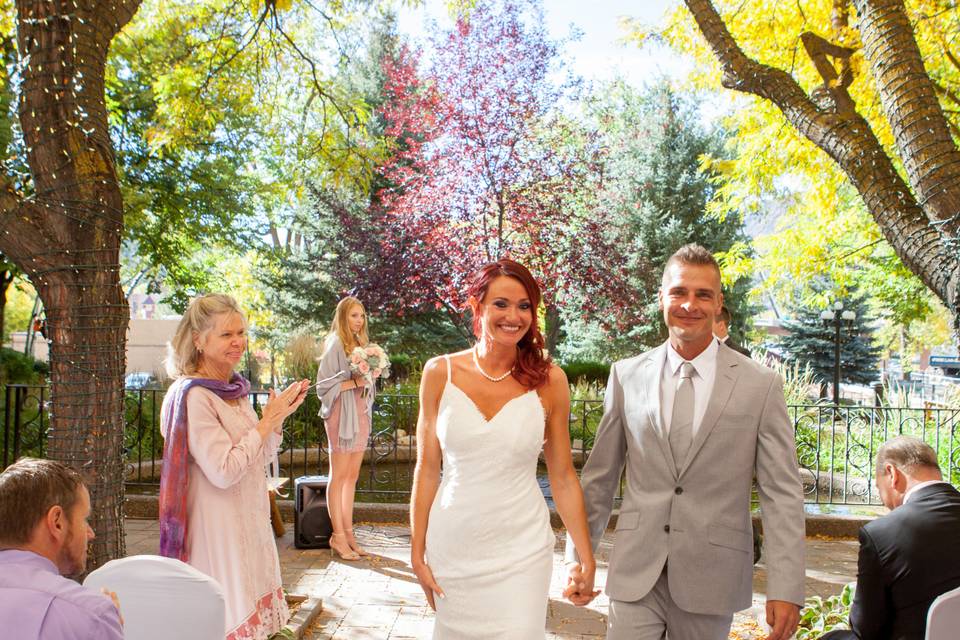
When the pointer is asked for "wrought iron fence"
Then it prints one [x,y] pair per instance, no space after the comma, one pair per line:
[836,446]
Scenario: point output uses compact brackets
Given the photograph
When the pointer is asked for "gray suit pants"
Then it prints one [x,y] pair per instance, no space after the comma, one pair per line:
[656,616]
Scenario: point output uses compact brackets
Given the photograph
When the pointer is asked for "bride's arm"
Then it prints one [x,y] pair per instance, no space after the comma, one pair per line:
[426,475]
[564,483]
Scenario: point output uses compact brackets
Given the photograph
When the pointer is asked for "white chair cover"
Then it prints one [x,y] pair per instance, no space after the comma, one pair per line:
[943,617]
[162,598]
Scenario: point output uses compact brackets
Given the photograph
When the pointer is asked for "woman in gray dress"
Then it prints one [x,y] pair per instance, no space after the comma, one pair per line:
[346,402]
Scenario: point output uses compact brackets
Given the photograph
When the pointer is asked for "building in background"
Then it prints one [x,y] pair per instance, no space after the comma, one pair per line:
[149,332]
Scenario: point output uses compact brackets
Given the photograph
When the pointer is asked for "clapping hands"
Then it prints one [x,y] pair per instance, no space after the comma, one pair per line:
[579,589]
[280,405]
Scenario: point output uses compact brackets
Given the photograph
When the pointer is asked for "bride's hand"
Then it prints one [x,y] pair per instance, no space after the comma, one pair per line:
[427,583]
[579,589]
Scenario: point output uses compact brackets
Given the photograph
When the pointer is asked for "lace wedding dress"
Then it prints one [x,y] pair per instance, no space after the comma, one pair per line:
[489,541]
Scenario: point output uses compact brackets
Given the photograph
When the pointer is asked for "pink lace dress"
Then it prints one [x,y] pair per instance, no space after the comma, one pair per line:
[332,423]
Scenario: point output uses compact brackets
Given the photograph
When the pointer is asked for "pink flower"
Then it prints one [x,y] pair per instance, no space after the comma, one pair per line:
[376,373]
[372,350]
[355,359]
[363,367]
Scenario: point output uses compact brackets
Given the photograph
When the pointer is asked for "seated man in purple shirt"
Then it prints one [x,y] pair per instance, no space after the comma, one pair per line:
[44,533]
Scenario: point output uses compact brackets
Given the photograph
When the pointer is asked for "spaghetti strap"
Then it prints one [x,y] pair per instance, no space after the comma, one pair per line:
[446,357]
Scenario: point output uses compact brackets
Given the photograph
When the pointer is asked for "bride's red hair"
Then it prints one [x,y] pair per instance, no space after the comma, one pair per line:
[532,367]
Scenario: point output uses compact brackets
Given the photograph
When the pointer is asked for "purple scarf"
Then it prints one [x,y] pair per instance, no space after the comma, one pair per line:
[174,474]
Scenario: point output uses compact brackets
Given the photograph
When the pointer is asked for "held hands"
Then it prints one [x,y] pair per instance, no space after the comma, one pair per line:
[783,618]
[428,583]
[579,589]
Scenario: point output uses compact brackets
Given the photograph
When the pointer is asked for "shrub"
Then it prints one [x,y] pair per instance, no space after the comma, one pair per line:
[819,616]
[586,371]
[401,366]
[17,368]
[583,390]
[300,357]
[798,378]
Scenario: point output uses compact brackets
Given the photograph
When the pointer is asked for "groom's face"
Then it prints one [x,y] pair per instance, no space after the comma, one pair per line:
[690,299]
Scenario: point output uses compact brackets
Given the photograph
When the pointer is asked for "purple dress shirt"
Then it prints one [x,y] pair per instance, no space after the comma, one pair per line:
[37,603]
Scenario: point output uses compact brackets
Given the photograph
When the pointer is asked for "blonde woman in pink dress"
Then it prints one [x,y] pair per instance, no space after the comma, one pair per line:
[214,509]
[346,406]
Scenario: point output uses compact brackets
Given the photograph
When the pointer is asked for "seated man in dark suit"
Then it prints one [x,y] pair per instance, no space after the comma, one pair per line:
[909,556]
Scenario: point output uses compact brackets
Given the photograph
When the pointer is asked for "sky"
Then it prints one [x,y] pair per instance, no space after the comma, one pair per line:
[598,54]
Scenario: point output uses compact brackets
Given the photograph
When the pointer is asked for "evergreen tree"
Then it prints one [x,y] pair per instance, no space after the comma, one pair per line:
[654,197]
[812,341]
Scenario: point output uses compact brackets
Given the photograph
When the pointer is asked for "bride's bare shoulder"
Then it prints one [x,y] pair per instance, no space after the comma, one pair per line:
[557,377]
[435,369]
[556,391]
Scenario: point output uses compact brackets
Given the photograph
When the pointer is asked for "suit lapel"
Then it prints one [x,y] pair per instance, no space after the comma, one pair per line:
[653,371]
[723,384]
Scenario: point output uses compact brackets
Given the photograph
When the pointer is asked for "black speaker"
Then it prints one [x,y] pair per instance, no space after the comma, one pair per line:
[311,522]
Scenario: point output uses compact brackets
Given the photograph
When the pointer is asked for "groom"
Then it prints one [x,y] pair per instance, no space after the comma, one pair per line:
[694,424]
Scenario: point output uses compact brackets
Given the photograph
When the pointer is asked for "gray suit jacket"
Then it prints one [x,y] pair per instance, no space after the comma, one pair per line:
[698,518]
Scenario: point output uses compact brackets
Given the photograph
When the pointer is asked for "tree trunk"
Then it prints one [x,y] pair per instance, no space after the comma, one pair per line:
[66,239]
[921,133]
[87,323]
[552,327]
[6,278]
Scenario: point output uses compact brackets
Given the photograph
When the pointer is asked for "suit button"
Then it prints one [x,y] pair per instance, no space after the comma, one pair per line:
[678,490]
[666,528]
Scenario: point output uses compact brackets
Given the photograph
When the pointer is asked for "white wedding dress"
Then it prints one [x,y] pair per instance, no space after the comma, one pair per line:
[489,541]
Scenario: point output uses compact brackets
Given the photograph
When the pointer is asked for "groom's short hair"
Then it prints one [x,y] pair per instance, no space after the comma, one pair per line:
[691,254]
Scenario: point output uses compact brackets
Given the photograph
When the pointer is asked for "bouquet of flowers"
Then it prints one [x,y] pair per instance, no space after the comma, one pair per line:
[370,362]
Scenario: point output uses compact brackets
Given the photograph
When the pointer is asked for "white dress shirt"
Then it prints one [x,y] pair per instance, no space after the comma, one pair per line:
[705,365]
[920,485]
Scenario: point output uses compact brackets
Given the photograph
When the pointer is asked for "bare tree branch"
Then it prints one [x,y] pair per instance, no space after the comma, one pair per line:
[834,84]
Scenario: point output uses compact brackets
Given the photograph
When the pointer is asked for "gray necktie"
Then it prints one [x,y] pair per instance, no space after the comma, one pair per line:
[681,420]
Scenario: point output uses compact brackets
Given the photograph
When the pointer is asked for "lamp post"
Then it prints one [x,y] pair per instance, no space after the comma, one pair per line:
[836,316]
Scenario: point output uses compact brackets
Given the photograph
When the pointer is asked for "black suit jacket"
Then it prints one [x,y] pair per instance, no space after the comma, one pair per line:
[736,347]
[907,558]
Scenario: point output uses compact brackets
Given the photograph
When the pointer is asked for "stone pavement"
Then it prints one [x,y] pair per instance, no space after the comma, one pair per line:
[378,597]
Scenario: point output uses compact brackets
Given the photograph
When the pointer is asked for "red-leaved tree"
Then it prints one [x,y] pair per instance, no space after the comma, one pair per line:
[484,166]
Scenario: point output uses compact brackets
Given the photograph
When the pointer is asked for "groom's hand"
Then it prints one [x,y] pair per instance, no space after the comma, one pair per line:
[577,591]
[783,618]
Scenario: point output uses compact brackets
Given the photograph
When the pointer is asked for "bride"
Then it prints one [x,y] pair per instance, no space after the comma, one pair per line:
[482,546]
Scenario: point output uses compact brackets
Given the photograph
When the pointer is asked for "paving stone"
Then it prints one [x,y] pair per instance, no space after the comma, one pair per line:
[370,615]
[378,597]
[409,628]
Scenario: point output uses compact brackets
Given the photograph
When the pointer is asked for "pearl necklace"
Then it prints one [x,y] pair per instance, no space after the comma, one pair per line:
[476,361]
